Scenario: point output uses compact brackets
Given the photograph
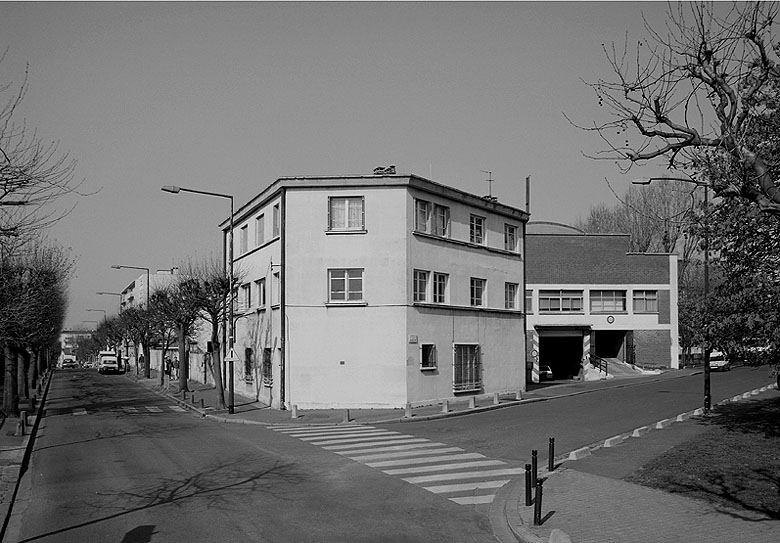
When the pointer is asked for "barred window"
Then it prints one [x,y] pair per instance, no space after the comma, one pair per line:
[467,375]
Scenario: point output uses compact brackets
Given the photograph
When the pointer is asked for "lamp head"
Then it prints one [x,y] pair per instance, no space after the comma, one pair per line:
[642,181]
[173,189]
[116,267]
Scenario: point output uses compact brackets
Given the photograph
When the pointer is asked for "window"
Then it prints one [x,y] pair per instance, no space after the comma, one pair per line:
[607,301]
[510,295]
[275,289]
[441,221]
[477,291]
[266,369]
[345,285]
[510,237]
[466,368]
[477,229]
[428,356]
[440,281]
[260,288]
[346,213]
[560,301]
[277,221]
[420,286]
[422,215]
[243,237]
[529,301]
[245,297]
[259,230]
[645,301]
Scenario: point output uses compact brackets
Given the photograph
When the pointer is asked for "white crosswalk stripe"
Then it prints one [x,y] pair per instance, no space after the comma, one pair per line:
[463,477]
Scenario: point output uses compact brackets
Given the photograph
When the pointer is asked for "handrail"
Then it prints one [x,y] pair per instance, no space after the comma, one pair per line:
[599,363]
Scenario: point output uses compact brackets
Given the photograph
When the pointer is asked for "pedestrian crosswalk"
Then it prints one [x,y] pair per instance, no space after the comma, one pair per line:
[131,410]
[463,477]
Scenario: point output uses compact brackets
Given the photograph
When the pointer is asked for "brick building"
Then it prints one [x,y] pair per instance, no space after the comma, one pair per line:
[587,296]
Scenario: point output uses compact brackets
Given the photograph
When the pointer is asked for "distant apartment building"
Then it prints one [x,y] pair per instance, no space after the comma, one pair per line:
[587,296]
[69,340]
[135,293]
[377,291]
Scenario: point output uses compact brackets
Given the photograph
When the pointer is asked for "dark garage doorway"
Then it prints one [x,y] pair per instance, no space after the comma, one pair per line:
[609,343]
[563,353]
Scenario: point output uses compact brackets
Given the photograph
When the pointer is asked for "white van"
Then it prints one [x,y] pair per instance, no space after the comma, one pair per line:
[107,362]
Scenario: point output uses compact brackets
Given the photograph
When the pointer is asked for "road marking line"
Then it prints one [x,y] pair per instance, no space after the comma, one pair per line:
[474,500]
[425,460]
[444,467]
[79,411]
[130,410]
[401,454]
[400,442]
[442,489]
[359,439]
[458,476]
[307,437]
[177,408]
[153,409]
[393,448]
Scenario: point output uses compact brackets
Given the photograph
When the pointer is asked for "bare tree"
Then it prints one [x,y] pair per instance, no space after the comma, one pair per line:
[700,95]
[162,327]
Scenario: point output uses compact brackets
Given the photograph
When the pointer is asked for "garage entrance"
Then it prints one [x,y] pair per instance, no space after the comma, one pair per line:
[562,351]
[609,343]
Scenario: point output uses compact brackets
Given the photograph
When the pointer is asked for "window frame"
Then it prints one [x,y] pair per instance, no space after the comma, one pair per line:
[511,302]
[243,239]
[645,300]
[277,217]
[260,230]
[473,375]
[425,207]
[529,301]
[607,301]
[261,294]
[474,284]
[346,226]
[513,247]
[477,229]
[560,295]
[432,361]
[347,291]
[437,229]
[420,285]
[438,297]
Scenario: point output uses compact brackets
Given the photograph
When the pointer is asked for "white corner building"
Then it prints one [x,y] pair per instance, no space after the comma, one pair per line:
[377,291]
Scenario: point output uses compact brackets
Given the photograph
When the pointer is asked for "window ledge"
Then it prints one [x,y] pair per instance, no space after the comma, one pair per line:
[348,232]
[483,246]
[346,304]
[429,368]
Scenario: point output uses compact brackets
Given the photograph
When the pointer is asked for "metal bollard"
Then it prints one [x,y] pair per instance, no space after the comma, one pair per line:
[193,398]
[519,395]
[346,415]
[551,455]
[528,485]
[295,411]
[538,504]
[534,467]
[202,403]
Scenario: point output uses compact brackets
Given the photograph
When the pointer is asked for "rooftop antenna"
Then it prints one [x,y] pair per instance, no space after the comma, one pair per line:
[490,186]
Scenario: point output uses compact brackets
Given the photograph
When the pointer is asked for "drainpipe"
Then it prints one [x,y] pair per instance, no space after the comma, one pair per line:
[282,300]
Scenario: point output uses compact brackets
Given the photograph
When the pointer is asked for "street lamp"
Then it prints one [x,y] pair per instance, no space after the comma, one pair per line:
[147,362]
[647,181]
[175,190]
[102,310]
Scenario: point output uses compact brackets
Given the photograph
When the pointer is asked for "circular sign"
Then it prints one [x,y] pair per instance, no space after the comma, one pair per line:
[534,353]
[610,319]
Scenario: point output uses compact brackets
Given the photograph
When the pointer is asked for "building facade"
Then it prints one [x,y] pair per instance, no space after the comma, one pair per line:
[587,297]
[377,291]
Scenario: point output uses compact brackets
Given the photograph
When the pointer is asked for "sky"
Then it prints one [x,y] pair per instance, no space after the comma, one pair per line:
[228,97]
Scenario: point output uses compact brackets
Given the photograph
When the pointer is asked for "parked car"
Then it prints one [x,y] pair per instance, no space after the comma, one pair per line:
[719,362]
[545,373]
[108,362]
[69,364]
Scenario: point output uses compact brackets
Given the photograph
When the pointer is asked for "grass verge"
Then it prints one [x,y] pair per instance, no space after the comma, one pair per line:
[734,464]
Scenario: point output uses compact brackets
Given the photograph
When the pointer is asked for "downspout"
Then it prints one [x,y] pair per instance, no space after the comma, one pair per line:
[282,297]
[525,279]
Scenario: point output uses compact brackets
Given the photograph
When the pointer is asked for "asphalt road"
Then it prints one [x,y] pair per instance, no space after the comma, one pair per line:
[511,434]
[114,462]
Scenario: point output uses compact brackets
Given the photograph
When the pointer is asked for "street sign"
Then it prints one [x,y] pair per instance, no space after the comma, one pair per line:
[232,356]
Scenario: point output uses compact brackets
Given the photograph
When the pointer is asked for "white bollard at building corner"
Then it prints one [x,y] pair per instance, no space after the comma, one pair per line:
[496,398]
[346,415]
[408,411]
[519,395]
[472,402]
[445,406]
[295,411]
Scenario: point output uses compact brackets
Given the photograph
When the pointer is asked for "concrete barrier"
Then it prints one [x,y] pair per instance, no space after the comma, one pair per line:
[639,432]
[579,453]
[682,416]
[663,424]
[614,441]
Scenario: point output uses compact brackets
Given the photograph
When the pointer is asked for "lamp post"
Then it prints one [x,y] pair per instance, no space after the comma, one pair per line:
[146,340]
[647,181]
[175,190]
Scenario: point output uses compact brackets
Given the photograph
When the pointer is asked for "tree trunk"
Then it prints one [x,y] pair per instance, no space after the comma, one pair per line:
[147,360]
[32,374]
[183,363]
[216,362]
[22,365]
[10,397]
